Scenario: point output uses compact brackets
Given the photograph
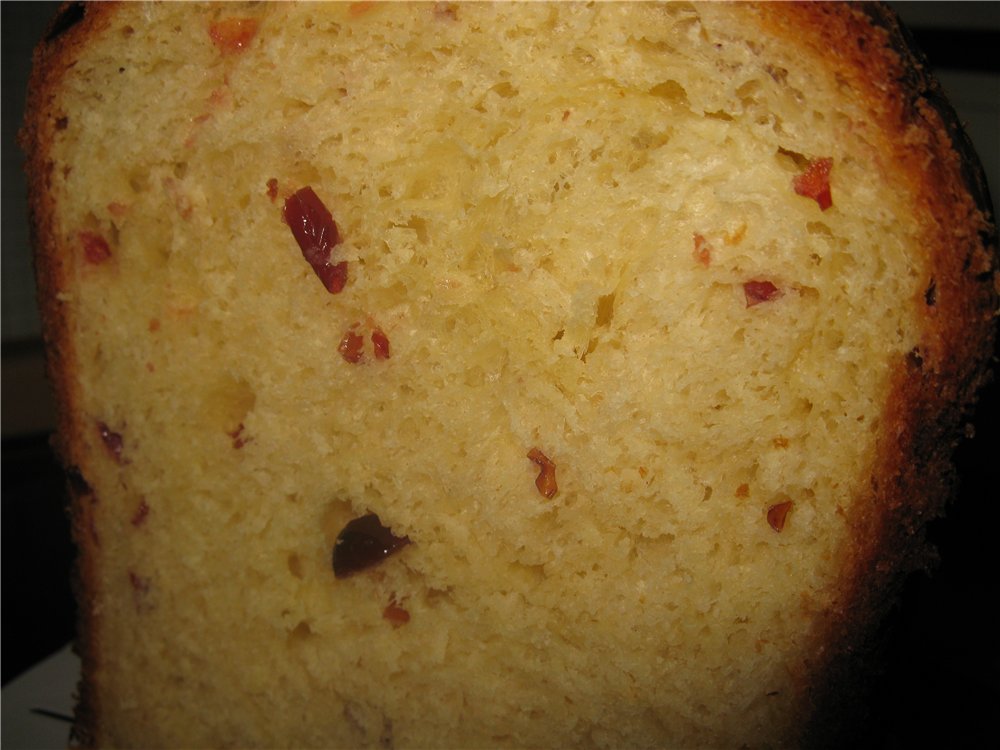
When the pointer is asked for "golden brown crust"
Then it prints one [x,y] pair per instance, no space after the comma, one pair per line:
[69,30]
[935,386]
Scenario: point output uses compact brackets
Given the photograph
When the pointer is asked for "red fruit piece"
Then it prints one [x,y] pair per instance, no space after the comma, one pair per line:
[381,343]
[759,291]
[351,347]
[777,514]
[316,232]
[546,480]
[232,34]
[815,182]
[95,247]
[395,614]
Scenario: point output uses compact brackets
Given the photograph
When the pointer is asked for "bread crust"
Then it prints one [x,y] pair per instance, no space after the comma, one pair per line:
[912,478]
[934,388]
[73,25]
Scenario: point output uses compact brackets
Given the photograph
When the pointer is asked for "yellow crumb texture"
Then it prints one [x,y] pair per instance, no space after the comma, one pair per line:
[578,229]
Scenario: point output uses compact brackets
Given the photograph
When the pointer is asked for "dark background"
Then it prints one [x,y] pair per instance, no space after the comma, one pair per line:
[941,685]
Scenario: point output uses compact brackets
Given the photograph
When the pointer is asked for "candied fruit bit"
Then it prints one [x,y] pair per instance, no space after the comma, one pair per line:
[362,543]
[232,34]
[395,614]
[546,480]
[760,291]
[702,250]
[735,237]
[351,347]
[141,512]
[743,490]
[815,182]
[239,439]
[777,514]
[272,189]
[316,232]
[381,344]
[95,248]
[112,441]
[361,7]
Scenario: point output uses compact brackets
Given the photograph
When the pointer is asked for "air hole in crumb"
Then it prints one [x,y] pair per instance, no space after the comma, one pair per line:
[605,310]
[670,91]
[505,90]
[301,632]
[227,404]
[720,115]
[798,161]
[295,565]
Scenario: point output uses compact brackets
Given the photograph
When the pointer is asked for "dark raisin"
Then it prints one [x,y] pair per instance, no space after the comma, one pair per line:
[362,543]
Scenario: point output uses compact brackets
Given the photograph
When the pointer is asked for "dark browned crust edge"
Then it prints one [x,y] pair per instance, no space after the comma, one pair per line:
[934,389]
[69,31]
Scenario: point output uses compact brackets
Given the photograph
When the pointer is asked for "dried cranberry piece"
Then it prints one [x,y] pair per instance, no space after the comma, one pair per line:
[815,182]
[239,439]
[95,248]
[777,514]
[546,480]
[395,614]
[362,543]
[702,250]
[232,34]
[351,347]
[380,342]
[316,232]
[760,291]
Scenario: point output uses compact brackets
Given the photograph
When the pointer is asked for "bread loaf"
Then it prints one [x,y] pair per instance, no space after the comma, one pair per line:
[488,375]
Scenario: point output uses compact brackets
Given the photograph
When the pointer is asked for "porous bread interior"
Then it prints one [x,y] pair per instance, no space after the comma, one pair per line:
[518,188]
